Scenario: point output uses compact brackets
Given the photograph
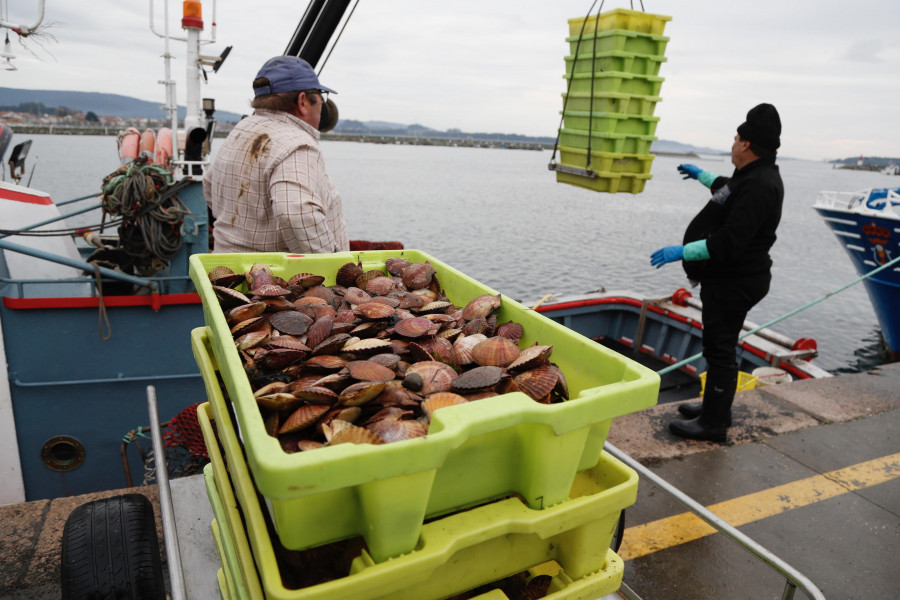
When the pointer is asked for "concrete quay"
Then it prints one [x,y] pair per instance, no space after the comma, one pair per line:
[846,544]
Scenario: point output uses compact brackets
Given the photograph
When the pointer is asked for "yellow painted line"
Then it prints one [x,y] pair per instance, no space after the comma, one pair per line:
[648,538]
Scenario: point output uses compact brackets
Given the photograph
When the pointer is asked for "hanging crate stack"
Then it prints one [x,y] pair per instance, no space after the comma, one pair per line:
[613,85]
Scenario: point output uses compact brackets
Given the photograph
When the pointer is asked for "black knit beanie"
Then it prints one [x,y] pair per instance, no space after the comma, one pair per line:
[762,127]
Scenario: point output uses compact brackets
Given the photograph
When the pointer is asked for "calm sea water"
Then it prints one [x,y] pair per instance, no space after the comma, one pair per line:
[500,217]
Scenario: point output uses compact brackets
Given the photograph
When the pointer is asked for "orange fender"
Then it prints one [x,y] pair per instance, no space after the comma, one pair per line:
[147,143]
[129,143]
[163,146]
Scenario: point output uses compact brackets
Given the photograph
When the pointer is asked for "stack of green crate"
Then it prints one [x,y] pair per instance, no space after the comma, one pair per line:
[613,85]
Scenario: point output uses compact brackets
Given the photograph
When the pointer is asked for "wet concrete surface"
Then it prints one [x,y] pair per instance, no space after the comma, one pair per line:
[846,545]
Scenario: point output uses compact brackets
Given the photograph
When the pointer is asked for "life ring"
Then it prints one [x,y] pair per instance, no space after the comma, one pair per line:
[147,143]
[129,143]
[164,146]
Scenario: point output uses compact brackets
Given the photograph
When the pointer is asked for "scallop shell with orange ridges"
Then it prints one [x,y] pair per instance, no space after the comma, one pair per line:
[417,275]
[495,351]
[307,300]
[531,357]
[481,306]
[354,295]
[429,377]
[254,339]
[306,445]
[347,274]
[319,330]
[476,326]
[442,350]
[244,312]
[325,293]
[276,303]
[364,348]
[278,401]
[463,347]
[317,395]
[259,274]
[276,359]
[392,302]
[510,330]
[395,265]
[415,327]
[305,280]
[441,400]
[303,417]
[270,290]
[380,286]
[391,430]
[386,359]
[272,388]
[229,298]
[331,344]
[252,324]
[477,380]
[291,322]
[363,280]
[436,306]
[326,362]
[367,370]
[537,382]
[288,341]
[225,277]
[373,311]
[359,393]
[410,301]
[352,434]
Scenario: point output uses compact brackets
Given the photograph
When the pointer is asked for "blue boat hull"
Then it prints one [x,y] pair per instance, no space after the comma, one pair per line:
[872,241]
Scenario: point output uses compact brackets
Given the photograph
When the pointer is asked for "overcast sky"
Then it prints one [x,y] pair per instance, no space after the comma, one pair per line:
[831,68]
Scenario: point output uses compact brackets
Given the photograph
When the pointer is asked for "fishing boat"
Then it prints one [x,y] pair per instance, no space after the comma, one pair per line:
[86,327]
[867,225]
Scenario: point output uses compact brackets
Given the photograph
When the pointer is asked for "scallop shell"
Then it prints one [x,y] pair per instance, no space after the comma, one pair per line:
[244,312]
[562,387]
[391,430]
[363,280]
[291,322]
[495,351]
[417,275]
[442,350]
[352,434]
[305,280]
[360,393]
[229,298]
[415,327]
[276,359]
[368,329]
[373,310]
[537,382]
[531,357]
[276,303]
[326,294]
[354,295]
[395,266]
[441,400]
[307,300]
[368,347]
[347,274]
[303,417]
[367,370]
[476,326]
[288,341]
[225,277]
[481,306]
[305,445]
[411,301]
[436,306]
[326,362]
[270,290]
[331,344]
[317,395]
[319,330]
[380,286]
[392,302]
[510,330]
[429,377]
[253,324]
[477,379]
[253,339]
[278,401]
[272,388]
[463,347]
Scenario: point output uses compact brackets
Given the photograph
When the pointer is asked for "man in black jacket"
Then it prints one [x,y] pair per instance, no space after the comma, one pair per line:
[726,250]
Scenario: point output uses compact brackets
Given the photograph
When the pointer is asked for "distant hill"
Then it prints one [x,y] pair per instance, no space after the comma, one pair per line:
[112,105]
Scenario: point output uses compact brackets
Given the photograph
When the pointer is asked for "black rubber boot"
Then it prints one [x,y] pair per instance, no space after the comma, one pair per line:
[692,410]
[715,415]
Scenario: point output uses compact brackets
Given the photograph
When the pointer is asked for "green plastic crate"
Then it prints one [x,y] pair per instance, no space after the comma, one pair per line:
[226,587]
[615,82]
[619,18]
[221,530]
[614,102]
[619,143]
[619,40]
[455,553]
[627,62]
[606,162]
[607,122]
[607,182]
[224,593]
[473,453]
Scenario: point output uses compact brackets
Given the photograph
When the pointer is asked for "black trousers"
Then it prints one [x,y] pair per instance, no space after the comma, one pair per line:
[725,307]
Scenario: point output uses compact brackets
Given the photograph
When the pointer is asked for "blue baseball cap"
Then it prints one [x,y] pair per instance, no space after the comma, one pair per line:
[288,74]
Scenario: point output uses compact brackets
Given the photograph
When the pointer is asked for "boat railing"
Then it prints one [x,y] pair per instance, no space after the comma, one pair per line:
[879,200]
[793,578]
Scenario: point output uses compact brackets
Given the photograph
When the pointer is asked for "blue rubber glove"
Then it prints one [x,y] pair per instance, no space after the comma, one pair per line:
[689,171]
[693,172]
[666,255]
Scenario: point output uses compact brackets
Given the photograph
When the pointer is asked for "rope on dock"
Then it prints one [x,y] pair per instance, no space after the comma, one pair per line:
[691,359]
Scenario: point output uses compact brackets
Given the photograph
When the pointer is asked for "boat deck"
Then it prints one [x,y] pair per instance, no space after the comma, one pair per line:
[811,472]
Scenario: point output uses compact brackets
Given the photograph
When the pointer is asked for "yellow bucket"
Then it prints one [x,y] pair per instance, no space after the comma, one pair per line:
[745,382]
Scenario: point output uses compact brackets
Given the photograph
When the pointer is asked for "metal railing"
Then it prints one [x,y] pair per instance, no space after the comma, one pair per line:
[794,578]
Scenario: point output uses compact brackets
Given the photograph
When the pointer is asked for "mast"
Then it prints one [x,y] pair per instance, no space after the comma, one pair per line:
[315,29]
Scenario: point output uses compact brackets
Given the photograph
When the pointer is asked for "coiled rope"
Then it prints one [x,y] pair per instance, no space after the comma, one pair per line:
[145,197]
[691,359]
